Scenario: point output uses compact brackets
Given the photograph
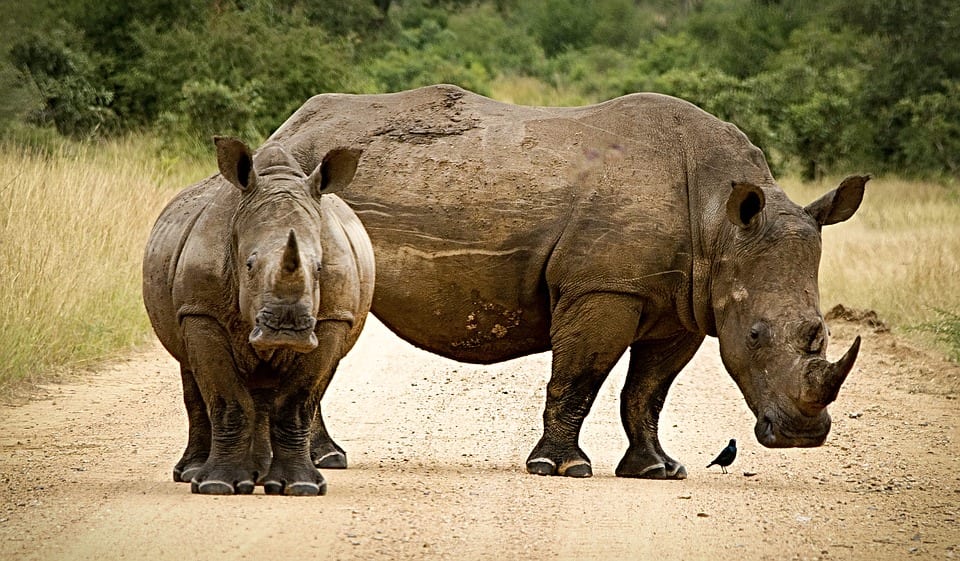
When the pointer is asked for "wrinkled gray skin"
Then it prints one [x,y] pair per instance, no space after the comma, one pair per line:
[258,282]
[641,223]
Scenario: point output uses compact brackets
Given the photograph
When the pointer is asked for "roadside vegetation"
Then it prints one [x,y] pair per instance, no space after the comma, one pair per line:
[74,219]
[107,108]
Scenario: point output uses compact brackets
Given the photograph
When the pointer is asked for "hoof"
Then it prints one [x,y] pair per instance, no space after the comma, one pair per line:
[185,475]
[211,487]
[332,460]
[542,466]
[655,471]
[298,489]
[577,468]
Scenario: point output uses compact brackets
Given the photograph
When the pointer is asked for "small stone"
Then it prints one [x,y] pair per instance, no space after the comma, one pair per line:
[749,473]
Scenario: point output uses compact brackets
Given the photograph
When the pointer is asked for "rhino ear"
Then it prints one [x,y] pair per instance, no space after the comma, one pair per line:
[745,204]
[335,172]
[839,204]
[235,162]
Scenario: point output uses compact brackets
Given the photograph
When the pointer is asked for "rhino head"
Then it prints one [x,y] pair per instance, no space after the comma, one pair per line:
[276,240]
[773,339]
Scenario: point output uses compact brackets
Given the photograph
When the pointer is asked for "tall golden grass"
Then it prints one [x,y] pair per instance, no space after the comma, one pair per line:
[900,253]
[73,223]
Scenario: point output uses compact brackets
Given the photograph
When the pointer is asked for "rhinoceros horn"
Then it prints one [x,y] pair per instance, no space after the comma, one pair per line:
[291,254]
[823,378]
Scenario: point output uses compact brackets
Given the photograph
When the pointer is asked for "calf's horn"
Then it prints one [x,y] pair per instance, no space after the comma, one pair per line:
[291,254]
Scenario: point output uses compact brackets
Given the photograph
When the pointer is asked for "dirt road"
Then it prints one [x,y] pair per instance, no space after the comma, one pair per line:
[436,450]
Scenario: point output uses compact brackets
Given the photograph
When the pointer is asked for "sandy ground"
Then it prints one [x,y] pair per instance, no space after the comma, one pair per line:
[436,450]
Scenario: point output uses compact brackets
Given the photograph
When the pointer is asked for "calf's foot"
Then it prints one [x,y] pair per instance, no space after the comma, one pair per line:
[223,479]
[329,455]
[294,478]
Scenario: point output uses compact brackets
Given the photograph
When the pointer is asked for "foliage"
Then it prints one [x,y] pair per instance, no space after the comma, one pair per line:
[820,86]
[73,100]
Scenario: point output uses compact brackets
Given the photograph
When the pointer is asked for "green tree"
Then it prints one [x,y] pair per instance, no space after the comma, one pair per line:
[72,98]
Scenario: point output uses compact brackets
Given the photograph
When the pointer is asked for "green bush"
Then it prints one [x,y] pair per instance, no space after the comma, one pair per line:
[930,140]
[72,97]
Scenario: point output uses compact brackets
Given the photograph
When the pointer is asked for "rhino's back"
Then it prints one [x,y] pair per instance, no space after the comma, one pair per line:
[467,200]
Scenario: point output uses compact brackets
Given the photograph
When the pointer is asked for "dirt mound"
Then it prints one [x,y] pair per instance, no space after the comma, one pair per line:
[868,318]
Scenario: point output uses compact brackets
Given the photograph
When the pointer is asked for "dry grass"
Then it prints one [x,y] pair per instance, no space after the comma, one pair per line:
[899,255]
[74,220]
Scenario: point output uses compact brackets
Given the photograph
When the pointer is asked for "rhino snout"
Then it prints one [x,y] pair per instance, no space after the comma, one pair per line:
[287,327]
[774,431]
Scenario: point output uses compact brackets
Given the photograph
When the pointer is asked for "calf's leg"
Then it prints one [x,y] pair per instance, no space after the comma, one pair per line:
[229,468]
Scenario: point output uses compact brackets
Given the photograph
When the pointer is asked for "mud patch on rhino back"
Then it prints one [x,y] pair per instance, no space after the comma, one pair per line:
[424,123]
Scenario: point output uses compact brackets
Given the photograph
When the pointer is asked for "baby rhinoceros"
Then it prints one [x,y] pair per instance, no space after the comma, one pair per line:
[258,281]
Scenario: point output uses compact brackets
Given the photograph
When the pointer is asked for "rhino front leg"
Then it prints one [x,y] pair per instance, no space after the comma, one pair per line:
[588,336]
[198,430]
[653,367]
[296,407]
[229,468]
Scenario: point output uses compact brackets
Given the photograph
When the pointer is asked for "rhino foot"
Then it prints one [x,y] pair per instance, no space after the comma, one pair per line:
[221,480]
[570,463]
[294,478]
[649,466]
[295,489]
[189,465]
[218,487]
[336,459]
[186,474]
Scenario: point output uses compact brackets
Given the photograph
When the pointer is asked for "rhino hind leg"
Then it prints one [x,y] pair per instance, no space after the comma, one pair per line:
[198,439]
[653,367]
[325,453]
[588,336]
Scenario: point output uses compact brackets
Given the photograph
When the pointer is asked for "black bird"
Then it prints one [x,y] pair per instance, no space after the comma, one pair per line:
[726,456]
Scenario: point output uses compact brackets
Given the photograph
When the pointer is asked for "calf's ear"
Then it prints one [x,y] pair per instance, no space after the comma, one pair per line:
[745,204]
[235,161]
[335,172]
[839,204]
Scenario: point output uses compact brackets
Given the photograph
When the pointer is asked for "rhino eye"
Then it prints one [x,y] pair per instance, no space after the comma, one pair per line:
[758,335]
[251,261]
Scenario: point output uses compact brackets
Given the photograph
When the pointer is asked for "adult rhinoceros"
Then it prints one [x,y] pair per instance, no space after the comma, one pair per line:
[258,282]
[642,223]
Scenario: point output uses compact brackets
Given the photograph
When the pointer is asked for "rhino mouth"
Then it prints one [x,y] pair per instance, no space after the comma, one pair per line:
[773,433]
[282,329]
